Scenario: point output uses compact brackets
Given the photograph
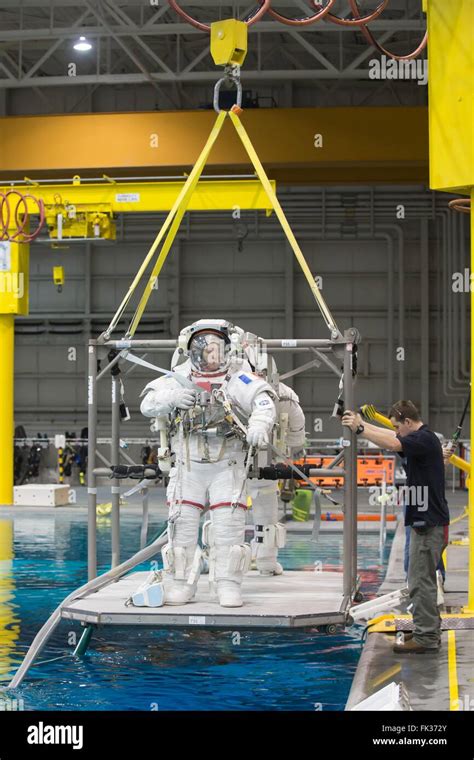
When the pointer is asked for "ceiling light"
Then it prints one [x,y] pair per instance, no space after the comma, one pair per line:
[82,45]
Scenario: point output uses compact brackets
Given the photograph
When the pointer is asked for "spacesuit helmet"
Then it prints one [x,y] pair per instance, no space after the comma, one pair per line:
[208,345]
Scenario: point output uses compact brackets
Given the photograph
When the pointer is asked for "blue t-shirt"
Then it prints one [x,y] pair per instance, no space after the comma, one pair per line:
[424,495]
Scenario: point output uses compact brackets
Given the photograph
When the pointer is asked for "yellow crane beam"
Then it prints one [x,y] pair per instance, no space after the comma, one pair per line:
[108,198]
[359,144]
[124,197]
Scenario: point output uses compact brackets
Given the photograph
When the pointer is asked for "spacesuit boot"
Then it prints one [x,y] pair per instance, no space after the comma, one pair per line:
[229,556]
[231,562]
[183,566]
[270,535]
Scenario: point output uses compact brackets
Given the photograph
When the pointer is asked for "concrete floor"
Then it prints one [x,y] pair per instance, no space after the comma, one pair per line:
[426,677]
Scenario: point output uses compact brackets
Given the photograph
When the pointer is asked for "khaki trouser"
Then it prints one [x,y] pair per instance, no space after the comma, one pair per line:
[426,548]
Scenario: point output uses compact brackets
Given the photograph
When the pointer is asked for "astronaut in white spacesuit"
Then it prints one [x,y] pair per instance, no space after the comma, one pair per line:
[216,409]
[270,535]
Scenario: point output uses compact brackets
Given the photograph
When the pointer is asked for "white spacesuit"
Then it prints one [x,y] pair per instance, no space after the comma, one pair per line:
[270,535]
[216,408]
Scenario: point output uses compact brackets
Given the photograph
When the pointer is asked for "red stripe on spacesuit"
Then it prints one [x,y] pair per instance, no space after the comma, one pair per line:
[185,501]
[227,504]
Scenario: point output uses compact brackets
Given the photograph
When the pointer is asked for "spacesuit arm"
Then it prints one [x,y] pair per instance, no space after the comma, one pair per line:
[162,396]
[261,420]
[289,404]
[255,397]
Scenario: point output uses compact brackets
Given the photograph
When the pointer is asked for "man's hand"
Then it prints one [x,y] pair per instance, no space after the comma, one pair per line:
[447,452]
[351,420]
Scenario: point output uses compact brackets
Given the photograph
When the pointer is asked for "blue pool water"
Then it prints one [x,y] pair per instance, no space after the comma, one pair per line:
[137,669]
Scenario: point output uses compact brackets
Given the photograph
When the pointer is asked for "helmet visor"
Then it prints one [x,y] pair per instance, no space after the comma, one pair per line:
[207,352]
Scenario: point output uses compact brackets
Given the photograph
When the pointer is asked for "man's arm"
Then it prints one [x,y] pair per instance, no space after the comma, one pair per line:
[386,439]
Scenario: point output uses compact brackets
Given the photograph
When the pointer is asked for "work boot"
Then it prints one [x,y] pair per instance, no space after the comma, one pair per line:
[228,593]
[411,647]
[408,635]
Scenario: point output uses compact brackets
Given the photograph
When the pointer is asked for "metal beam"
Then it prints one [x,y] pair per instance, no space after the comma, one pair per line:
[313,51]
[192,77]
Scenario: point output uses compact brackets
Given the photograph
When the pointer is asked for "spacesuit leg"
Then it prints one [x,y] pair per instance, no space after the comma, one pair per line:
[186,497]
[229,555]
[269,533]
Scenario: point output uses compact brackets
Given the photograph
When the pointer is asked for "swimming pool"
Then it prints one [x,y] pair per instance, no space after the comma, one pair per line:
[142,669]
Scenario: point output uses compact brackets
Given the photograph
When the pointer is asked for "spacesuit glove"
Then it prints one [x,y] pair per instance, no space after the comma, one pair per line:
[257,435]
[183,398]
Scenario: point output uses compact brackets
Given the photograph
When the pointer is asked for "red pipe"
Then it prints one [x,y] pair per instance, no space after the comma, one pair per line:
[359,20]
[21,215]
[339,517]
[322,11]
[264,5]
[372,41]
[461,204]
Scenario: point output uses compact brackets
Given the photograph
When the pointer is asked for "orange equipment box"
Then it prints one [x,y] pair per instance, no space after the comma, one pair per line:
[371,470]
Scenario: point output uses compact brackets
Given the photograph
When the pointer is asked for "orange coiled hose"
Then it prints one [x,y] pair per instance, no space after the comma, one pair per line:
[321,12]
[15,214]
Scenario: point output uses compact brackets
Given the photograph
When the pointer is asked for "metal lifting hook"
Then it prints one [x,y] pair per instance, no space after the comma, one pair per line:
[231,76]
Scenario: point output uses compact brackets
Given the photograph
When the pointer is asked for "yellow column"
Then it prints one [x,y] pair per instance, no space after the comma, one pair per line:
[451,114]
[470,598]
[7,332]
[14,267]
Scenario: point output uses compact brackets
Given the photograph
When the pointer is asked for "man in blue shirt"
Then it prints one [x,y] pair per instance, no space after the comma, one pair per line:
[426,512]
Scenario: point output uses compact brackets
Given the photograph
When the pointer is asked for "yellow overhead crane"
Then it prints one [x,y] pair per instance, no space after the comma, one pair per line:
[73,211]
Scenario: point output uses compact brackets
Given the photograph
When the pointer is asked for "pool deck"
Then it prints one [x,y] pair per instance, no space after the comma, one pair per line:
[443,681]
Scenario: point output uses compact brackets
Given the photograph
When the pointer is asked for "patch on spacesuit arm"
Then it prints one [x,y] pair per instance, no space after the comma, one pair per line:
[245,379]
[262,400]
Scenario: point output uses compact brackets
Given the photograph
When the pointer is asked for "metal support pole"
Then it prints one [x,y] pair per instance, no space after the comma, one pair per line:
[350,482]
[91,457]
[383,520]
[81,648]
[144,528]
[115,460]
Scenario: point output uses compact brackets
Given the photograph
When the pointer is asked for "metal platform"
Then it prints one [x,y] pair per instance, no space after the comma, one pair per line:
[295,599]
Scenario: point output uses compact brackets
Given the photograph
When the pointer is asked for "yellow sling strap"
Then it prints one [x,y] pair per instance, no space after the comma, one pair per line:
[179,206]
[283,221]
[173,221]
